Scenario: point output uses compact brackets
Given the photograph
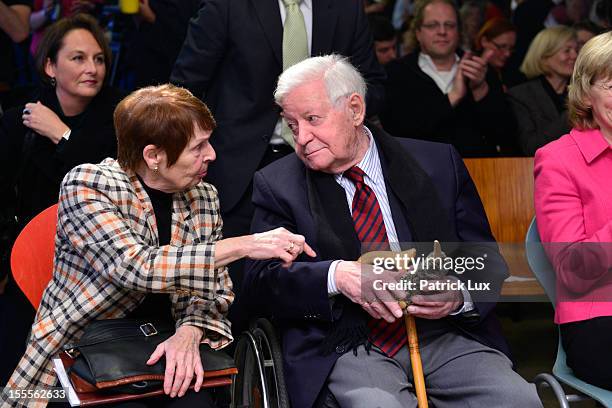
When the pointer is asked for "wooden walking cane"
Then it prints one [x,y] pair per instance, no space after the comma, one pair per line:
[411,332]
[415,357]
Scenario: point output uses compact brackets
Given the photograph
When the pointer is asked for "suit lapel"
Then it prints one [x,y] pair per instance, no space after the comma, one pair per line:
[415,190]
[182,221]
[336,235]
[269,17]
[146,213]
[324,17]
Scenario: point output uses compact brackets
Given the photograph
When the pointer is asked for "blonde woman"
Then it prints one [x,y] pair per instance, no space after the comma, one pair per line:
[572,202]
[539,104]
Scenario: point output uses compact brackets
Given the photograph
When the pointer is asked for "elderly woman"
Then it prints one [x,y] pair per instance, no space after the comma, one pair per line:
[539,104]
[141,236]
[572,196]
[67,121]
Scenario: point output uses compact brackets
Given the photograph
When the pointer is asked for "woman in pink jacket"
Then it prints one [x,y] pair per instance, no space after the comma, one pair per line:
[573,199]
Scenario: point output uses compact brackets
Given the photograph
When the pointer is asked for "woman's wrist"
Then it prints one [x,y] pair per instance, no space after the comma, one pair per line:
[197,332]
[63,132]
[232,249]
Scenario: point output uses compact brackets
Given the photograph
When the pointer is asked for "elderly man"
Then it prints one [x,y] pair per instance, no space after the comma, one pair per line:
[347,185]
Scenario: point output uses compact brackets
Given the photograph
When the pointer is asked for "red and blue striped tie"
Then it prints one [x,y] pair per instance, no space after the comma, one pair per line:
[371,231]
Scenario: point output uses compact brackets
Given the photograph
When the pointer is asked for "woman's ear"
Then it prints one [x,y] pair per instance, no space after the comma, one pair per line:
[150,155]
[587,102]
[49,68]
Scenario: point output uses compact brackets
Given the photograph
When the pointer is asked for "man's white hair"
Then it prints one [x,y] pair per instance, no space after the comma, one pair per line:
[340,77]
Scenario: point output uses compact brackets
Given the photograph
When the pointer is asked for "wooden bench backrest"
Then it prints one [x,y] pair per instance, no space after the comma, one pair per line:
[505,186]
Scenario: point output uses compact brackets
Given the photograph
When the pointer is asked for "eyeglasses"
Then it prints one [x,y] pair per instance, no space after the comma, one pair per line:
[503,47]
[435,25]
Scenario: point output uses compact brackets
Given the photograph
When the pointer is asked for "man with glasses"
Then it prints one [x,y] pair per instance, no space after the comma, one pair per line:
[442,94]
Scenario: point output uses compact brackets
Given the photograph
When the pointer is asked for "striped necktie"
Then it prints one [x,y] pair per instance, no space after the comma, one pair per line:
[371,231]
[295,47]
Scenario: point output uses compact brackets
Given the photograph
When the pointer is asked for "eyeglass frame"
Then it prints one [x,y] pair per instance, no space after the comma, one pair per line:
[436,25]
[503,47]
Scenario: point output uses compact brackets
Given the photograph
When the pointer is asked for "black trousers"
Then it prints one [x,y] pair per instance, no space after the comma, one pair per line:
[587,344]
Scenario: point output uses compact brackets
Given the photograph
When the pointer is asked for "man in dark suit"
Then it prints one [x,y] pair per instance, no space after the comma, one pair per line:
[233,55]
[349,185]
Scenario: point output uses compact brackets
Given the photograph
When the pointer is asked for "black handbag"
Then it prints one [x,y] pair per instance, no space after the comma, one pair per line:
[112,354]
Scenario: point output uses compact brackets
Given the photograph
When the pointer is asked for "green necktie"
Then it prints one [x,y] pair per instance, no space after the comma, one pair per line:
[295,47]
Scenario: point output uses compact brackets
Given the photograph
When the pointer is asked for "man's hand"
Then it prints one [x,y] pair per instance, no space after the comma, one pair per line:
[363,286]
[437,305]
[183,360]
[475,70]
[459,88]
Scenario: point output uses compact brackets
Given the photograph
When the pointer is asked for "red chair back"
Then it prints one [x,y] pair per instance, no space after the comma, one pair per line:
[32,255]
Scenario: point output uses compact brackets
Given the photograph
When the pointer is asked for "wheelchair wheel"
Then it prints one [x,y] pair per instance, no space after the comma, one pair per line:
[260,382]
[266,337]
[248,389]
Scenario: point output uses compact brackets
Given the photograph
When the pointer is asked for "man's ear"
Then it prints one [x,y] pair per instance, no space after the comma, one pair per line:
[357,108]
[150,155]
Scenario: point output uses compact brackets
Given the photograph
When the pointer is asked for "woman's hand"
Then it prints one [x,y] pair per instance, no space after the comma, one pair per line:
[44,121]
[277,243]
[182,352]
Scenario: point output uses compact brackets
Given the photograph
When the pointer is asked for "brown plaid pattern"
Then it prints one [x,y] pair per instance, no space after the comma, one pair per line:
[107,257]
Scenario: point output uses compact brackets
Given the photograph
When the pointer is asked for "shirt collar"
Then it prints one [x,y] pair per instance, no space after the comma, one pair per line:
[370,163]
[443,79]
[426,59]
[591,143]
[304,3]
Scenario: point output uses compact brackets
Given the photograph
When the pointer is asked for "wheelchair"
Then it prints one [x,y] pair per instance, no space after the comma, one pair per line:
[260,382]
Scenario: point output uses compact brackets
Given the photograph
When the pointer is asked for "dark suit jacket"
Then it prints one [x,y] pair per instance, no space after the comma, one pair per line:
[233,56]
[297,297]
[416,108]
[539,121]
[155,46]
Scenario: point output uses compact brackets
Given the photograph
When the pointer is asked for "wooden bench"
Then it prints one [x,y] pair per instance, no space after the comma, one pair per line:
[505,186]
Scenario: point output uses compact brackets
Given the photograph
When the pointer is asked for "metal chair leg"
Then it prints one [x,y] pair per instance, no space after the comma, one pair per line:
[548,380]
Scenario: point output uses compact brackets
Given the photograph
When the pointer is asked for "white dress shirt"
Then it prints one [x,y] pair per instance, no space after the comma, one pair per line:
[370,164]
[444,79]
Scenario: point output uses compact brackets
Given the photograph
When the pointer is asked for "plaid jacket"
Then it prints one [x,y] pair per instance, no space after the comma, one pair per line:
[107,258]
